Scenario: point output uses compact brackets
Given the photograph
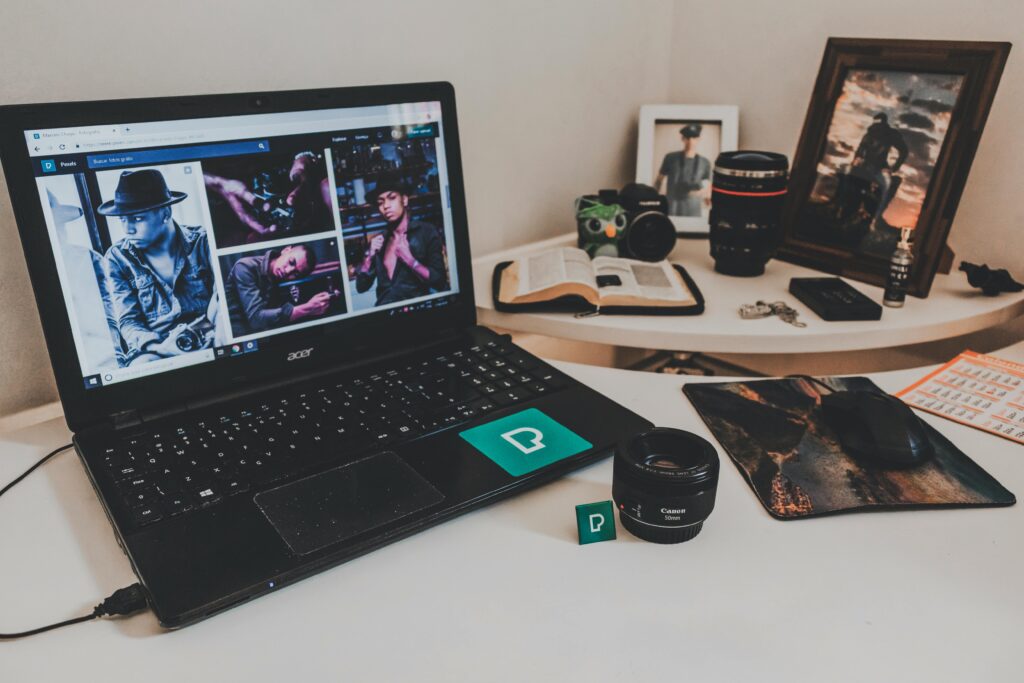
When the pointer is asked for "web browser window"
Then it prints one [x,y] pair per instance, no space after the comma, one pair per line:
[183,242]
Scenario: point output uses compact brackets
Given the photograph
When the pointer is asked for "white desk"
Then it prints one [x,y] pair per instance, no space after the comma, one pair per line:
[952,309]
[506,594]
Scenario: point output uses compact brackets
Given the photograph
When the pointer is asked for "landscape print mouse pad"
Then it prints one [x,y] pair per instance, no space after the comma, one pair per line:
[775,433]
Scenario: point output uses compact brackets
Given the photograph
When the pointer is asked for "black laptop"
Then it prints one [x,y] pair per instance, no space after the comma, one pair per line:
[259,309]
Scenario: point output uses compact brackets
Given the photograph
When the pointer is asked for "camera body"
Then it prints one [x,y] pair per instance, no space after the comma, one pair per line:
[272,188]
[196,335]
[630,223]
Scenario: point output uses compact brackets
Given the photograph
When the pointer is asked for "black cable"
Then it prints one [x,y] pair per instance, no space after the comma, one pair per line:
[121,602]
[43,629]
[32,469]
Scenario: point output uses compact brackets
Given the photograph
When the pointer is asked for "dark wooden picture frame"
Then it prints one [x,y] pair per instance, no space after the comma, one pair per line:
[976,68]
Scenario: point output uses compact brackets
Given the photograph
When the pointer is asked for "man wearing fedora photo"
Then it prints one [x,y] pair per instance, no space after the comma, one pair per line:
[159,275]
[688,175]
[407,260]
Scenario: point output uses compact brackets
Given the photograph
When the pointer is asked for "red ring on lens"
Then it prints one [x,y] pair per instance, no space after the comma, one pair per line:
[748,194]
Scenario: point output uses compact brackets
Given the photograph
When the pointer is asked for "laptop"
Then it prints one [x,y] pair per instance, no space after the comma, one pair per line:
[260,313]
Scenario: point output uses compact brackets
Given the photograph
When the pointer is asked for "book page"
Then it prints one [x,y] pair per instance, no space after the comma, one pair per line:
[639,279]
[554,267]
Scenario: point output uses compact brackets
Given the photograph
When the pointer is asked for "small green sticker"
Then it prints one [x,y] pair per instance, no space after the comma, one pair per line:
[595,522]
[525,441]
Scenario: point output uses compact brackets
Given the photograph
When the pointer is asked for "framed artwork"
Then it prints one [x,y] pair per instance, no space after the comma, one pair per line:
[889,138]
[676,150]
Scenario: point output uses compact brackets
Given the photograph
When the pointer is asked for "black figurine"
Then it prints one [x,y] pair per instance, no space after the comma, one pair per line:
[990,282]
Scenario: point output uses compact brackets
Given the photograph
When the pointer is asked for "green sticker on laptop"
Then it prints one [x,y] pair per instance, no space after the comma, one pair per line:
[525,441]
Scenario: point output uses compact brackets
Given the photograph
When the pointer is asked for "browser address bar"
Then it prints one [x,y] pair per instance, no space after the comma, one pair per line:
[165,133]
[146,141]
[259,130]
[131,140]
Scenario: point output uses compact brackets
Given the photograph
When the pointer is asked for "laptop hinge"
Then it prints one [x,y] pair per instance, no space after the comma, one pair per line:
[271,382]
[125,419]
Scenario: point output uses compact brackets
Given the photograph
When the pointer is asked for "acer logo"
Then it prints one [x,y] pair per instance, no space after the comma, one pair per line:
[297,355]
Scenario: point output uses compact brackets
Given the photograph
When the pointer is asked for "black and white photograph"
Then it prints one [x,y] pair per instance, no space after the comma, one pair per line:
[137,259]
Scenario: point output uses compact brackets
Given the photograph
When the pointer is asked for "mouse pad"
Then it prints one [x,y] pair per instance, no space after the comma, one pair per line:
[775,434]
[338,504]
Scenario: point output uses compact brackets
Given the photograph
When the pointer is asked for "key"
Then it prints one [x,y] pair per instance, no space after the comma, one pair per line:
[549,377]
[205,495]
[755,311]
[145,514]
[786,313]
[177,503]
[790,317]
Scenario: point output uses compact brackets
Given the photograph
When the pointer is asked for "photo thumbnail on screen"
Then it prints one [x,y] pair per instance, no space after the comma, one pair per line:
[137,260]
[391,215]
[268,196]
[287,285]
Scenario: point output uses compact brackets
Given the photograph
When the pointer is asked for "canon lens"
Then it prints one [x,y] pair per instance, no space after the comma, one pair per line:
[664,484]
[748,190]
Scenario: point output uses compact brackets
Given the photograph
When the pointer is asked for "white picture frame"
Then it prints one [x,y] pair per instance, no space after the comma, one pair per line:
[660,123]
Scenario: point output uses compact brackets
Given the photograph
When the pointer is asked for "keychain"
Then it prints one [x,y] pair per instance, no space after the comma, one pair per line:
[764,310]
[755,311]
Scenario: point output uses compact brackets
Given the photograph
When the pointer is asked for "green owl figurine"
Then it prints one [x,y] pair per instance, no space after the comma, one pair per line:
[599,226]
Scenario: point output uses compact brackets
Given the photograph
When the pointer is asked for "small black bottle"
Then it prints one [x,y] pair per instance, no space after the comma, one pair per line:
[899,272]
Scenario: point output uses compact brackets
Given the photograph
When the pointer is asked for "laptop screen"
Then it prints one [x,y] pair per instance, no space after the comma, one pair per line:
[185,242]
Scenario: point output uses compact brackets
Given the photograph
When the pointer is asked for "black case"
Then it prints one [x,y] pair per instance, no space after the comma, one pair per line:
[571,303]
[833,300]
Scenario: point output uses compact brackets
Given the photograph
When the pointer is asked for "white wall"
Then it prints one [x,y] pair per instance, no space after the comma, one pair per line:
[548,94]
[764,56]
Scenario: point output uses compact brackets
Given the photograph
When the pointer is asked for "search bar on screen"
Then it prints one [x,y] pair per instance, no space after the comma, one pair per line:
[162,156]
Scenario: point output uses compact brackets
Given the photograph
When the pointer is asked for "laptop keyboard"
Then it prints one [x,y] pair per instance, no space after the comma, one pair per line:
[201,460]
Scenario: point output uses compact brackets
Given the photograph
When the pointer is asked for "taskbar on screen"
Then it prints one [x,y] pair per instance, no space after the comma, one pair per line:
[241,348]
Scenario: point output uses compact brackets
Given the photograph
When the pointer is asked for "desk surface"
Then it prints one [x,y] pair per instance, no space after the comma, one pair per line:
[507,594]
[952,309]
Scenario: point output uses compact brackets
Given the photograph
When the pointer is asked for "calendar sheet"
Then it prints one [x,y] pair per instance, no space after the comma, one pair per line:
[977,390]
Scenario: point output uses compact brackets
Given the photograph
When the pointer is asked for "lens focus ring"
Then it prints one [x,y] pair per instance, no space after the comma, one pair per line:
[664,484]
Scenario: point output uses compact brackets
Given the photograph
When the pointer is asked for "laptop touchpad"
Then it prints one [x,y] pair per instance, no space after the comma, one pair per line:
[338,504]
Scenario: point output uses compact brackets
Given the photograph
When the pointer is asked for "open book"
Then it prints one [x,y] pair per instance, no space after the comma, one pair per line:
[607,284]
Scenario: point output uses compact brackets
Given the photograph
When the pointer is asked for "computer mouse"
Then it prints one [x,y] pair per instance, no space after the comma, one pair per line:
[877,429]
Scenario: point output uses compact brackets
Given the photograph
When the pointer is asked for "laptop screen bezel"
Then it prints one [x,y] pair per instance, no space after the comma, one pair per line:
[331,345]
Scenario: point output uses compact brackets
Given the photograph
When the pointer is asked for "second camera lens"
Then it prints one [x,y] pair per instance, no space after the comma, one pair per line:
[664,484]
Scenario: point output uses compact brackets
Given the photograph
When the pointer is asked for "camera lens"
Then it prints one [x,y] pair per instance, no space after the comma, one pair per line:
[188,341]
[748,190]
[651,237]
[664,484]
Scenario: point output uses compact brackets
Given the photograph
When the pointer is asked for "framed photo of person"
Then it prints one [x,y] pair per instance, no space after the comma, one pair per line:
[888,141]
[676,151]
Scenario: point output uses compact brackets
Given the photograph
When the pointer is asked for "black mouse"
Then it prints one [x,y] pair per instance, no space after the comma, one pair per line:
[877,429]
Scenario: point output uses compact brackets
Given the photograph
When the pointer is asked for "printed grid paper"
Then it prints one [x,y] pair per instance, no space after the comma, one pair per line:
[977,390]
